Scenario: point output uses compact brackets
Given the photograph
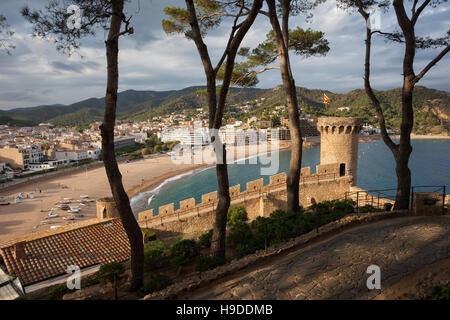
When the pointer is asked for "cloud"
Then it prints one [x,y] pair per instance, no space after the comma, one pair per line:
[151,60]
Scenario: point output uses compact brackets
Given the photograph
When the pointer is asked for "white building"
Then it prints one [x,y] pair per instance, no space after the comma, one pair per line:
[51,164]
[93,153]
[71,155]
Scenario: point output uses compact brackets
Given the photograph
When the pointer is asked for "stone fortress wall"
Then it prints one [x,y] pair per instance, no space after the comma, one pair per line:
[335,176]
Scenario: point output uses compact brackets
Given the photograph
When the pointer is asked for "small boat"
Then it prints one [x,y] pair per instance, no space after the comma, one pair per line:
[84,196]
[55,227]
[77,215]
[45,222]
[52,215]
[69,218]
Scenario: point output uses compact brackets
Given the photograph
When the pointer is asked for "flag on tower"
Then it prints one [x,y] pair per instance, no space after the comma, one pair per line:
[326,100]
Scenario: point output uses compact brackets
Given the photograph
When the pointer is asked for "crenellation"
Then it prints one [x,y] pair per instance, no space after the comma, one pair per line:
[166,209]
[145,215]
[255,185]
[305,172]
[209,198]
[187,204]
[332,168]
[278,179]
[235,191]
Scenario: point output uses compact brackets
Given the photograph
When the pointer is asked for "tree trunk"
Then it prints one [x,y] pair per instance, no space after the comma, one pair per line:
[405,148]
[219,231]
[109,159]
[216,110]
[282,41]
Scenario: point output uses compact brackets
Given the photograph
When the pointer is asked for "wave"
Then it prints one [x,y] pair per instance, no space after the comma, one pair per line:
[143,199]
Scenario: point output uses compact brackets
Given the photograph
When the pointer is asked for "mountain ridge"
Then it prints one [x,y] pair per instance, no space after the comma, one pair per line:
[432,106]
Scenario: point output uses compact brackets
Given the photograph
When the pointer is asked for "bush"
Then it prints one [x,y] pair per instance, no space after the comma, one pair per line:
[153,258]
[156,244]
[155,283]
[236,215]
[343,207]
[205,239]
[58,291]
[154,254]
[149,235]
[368,208]
[107,272]
[440,293]
[184,251]
[239,234]
[208,262]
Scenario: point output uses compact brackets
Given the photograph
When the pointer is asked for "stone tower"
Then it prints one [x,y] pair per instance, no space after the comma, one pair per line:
[339,138]
[106,208]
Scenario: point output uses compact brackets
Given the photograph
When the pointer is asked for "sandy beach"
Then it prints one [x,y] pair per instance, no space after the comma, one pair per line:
[424,136]
[26,216]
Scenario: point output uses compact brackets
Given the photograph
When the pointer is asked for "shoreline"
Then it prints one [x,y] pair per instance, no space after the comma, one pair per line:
[30,215]
[154,183]
[424,137]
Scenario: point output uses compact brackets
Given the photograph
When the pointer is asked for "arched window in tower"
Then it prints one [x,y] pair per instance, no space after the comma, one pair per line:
[342,169]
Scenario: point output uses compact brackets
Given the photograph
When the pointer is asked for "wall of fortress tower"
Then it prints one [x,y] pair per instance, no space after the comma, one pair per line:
[335,176]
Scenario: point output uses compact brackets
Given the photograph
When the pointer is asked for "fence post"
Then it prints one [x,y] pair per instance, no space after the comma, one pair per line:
[443,200]
[357,201]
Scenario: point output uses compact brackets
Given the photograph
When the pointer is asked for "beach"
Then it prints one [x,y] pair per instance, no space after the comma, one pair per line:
[26,216]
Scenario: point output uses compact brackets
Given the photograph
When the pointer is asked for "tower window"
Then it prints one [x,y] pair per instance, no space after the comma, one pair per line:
[342,169]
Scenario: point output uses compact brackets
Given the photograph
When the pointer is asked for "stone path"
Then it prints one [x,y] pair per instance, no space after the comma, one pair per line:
[335,268]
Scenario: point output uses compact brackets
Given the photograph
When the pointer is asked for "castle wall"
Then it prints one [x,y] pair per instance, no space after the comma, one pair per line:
[258,200]
[335,176]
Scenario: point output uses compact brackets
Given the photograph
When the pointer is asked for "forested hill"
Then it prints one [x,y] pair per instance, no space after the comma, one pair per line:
[432,106]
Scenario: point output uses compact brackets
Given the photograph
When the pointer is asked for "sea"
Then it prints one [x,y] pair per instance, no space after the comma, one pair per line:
[429,164]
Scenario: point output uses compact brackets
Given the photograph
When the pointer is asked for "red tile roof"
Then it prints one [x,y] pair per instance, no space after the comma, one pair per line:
[48,254]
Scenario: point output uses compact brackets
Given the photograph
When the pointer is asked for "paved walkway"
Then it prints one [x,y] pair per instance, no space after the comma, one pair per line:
[335,268]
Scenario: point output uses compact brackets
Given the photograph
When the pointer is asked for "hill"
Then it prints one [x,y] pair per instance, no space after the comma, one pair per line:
[432,107]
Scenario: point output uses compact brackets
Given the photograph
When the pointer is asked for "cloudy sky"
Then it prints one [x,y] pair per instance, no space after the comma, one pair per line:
[37,74]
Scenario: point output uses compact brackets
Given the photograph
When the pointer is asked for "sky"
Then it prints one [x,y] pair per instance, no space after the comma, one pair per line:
[36,74]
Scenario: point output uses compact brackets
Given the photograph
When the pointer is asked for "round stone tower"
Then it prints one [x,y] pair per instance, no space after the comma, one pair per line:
[106,208]
[339,138]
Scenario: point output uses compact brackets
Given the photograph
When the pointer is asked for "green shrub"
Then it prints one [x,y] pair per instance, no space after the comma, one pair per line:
[153,258]
[205,239]
[236,215]
[208,262]
[58,291]
[239,234]
[156,244]
[108,272]
[155,283]
[89,282]
[368,208]
[343,207]
[149,235]
[440,293]
[184,251]
[322,207]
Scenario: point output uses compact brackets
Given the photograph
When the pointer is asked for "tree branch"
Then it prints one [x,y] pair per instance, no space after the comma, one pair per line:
[419,11]
[431,64]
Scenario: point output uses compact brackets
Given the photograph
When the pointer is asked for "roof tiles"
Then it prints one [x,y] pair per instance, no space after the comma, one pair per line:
[48,254]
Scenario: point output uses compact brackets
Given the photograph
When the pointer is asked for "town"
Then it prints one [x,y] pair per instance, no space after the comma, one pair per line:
[28,151]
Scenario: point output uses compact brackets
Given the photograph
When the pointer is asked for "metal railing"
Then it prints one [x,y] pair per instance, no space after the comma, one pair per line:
[385,198]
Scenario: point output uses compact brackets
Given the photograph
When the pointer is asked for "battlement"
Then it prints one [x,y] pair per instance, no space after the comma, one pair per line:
[254,189]
[337,125]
